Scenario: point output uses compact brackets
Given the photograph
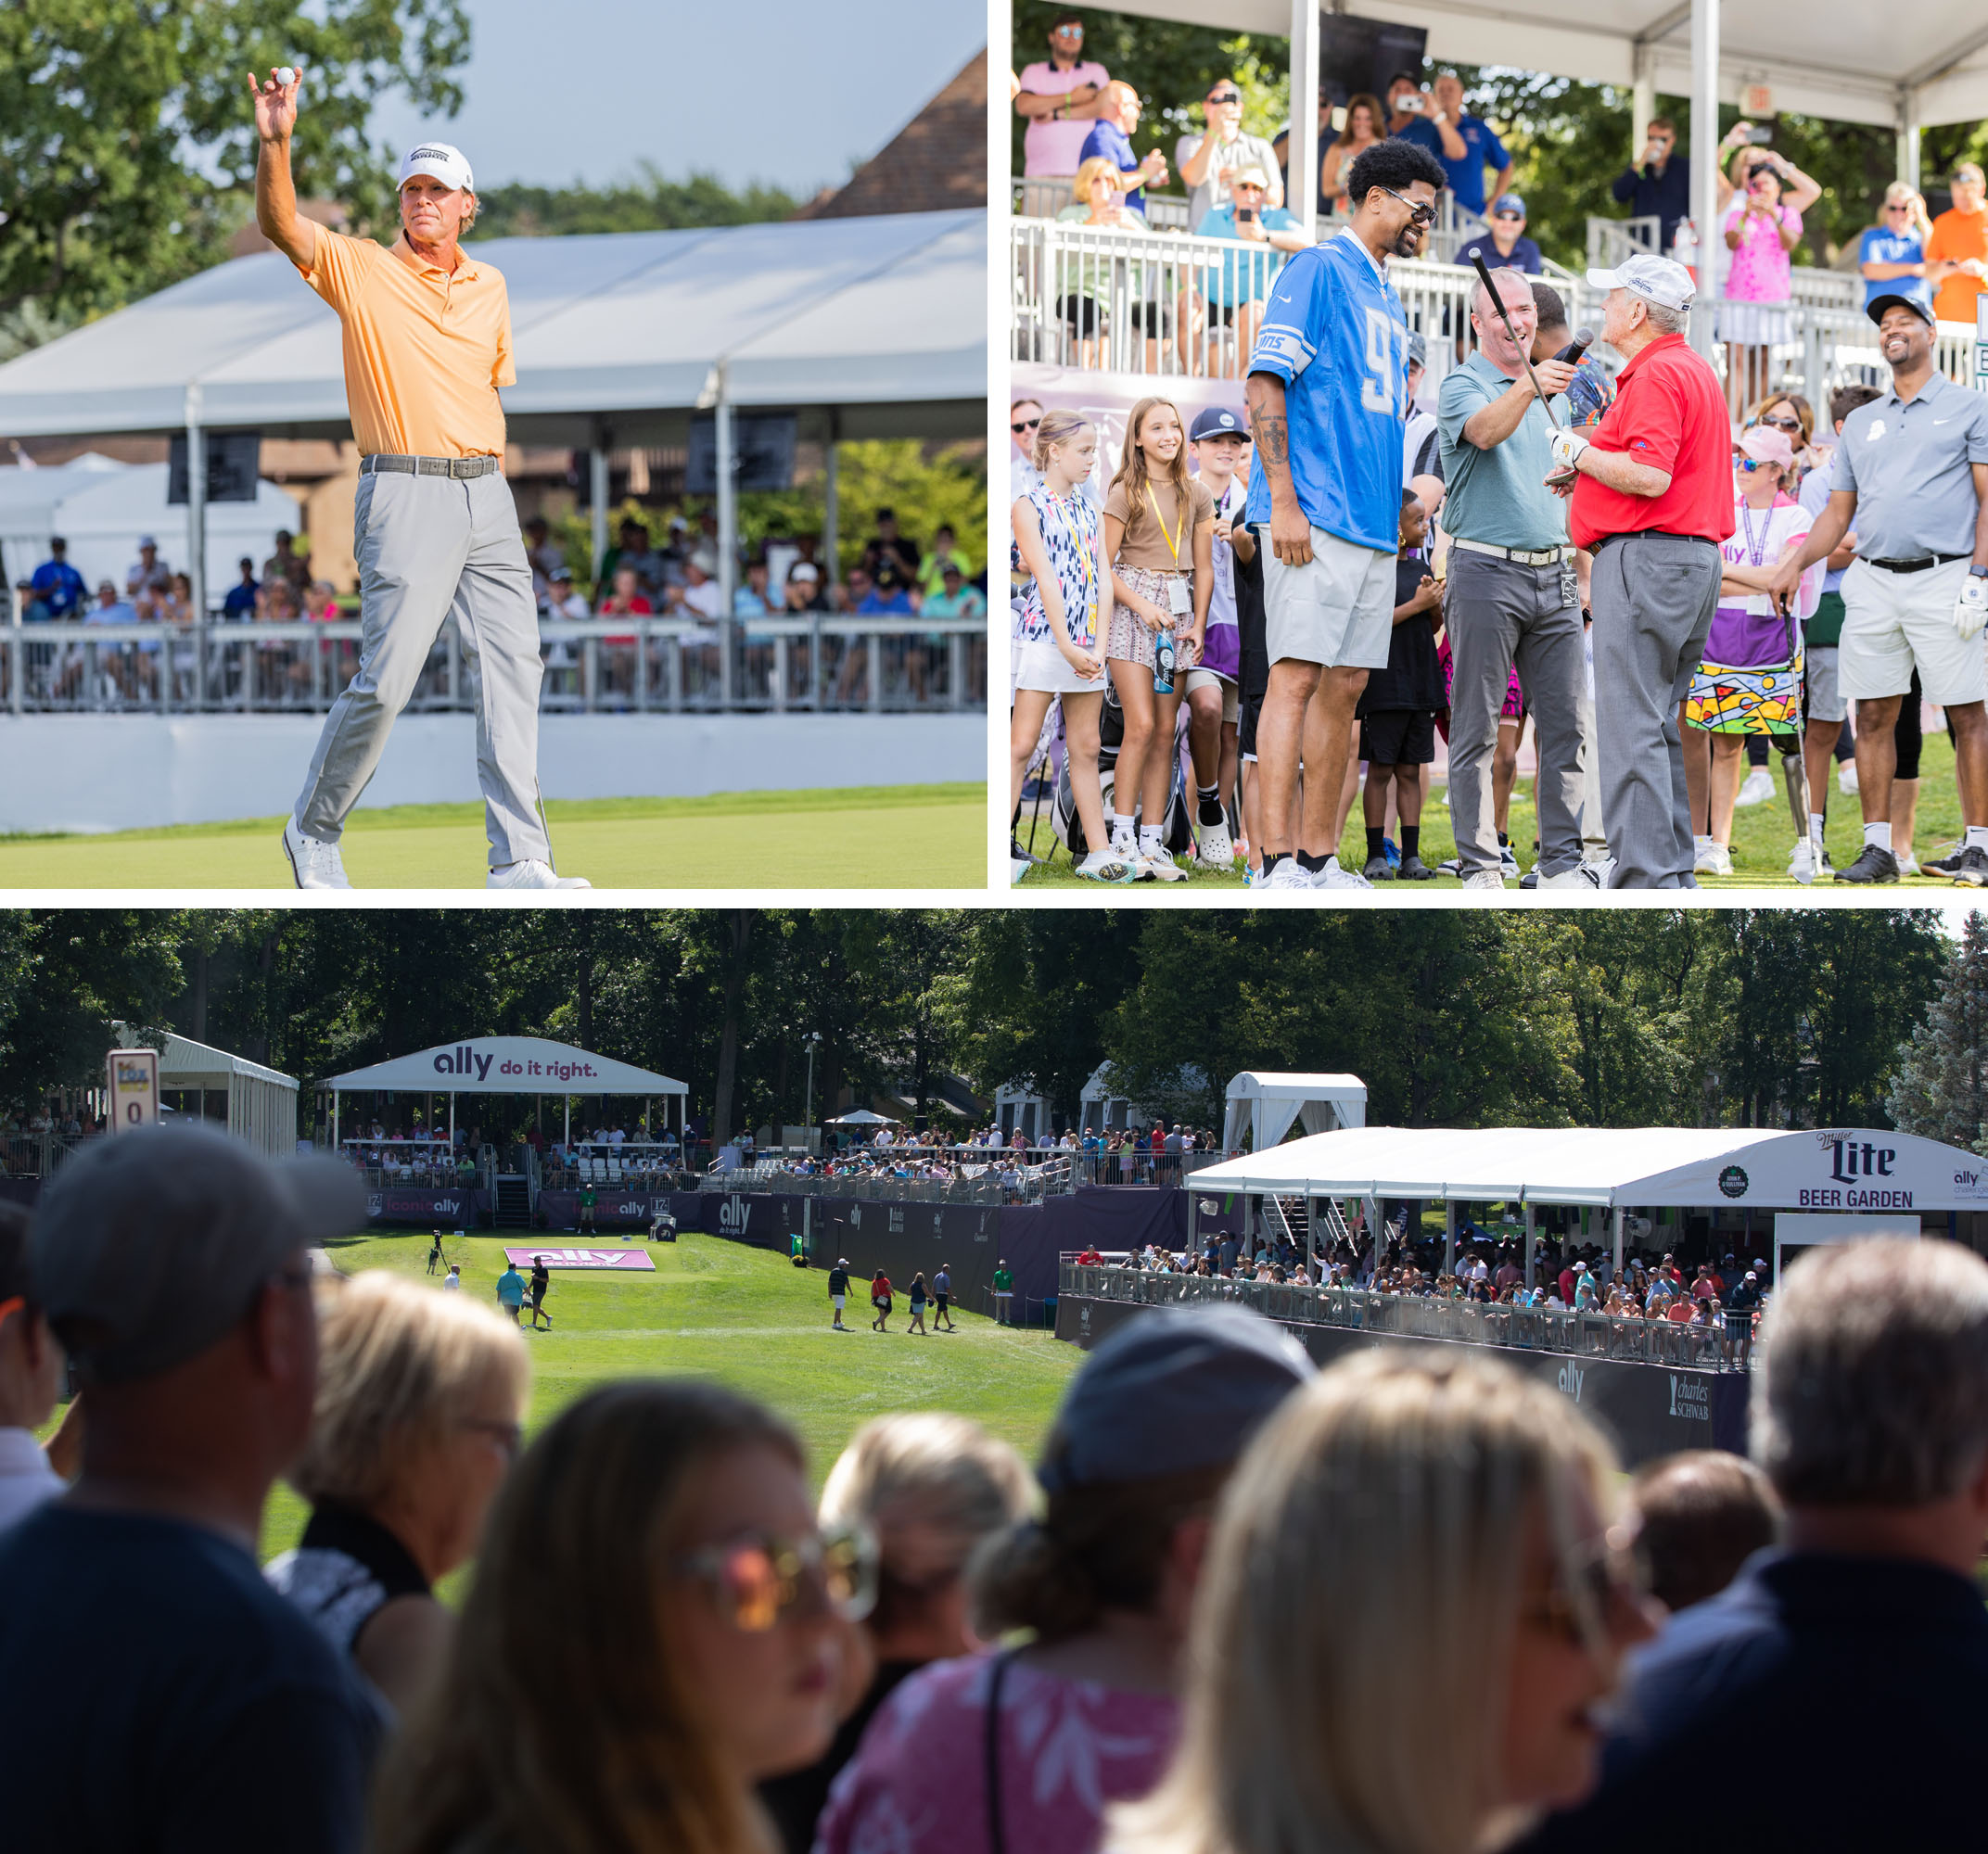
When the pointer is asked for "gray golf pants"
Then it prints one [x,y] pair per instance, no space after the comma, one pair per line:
[1652,597]
[1499,612]
[426,547]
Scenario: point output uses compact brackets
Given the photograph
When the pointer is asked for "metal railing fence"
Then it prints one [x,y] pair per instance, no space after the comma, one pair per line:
[874,664]
[1580,1335]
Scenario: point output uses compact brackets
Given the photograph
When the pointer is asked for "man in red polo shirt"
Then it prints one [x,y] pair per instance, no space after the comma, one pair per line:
[1651,500]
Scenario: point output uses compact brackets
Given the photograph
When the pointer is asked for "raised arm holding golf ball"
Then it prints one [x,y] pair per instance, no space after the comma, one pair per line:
[427,344]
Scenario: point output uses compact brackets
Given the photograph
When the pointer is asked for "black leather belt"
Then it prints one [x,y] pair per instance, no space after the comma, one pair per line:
[1924,564]
[426,466]
[1652,534]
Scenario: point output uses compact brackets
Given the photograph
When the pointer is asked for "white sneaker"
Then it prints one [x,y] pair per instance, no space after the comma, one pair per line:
[1756,788]
[1846,778]
[1104,865]
[1484,877]
[1454,865]
[1801,861]
[531,874]
[1216,851]
[1017,868]
[1908,864]
[1712,859]
[1287,874]
[315,864]
[1588,877]
[1332,876]
[1508,861]
[1160,867]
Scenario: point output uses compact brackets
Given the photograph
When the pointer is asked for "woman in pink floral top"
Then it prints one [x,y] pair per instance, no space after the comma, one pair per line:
[1762,226]
[1087,1714]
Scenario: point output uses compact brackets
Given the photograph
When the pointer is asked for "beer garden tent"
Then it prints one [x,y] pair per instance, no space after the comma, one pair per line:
[1270,1105]
[504,1066]
[261,1101]
[864,327]
[1916,65]
[1840,1171]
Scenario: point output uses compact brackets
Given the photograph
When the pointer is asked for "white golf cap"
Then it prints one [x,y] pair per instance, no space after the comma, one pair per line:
[1657,280]
[445,163]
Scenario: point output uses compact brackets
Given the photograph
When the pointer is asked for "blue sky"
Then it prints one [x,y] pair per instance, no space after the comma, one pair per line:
[766,90]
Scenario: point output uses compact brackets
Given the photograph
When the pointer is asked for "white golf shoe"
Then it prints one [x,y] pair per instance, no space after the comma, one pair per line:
[1756,788]
[531,874]
[314,863]
[1332,876]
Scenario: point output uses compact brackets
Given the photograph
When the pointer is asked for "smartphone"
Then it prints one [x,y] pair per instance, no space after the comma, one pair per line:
[1245,214]
[1413,105]
[1761,134]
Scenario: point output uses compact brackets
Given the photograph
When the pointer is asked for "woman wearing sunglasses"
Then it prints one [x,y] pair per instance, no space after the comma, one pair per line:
[1409,1557]
[419,1397]
[656,1626]
[1891,256]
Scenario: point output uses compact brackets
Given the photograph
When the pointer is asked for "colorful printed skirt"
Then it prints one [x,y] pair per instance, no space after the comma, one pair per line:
[1729,700]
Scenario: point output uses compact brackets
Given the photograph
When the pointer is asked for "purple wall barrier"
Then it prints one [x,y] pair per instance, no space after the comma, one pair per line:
[432,1209]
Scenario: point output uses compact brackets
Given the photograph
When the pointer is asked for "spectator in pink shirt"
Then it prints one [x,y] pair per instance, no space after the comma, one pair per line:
[1061,96]
[1085,1714]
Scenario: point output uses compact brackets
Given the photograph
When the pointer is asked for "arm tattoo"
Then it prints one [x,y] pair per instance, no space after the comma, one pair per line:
[1273,433]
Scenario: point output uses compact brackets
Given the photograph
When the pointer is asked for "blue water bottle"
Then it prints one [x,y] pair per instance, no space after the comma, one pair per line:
[1163,665]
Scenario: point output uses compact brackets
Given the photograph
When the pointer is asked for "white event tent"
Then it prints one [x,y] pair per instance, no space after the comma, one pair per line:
[868,327]
[261,1101]
[1907,66]
[1616,1169]
[1270,1105]
[504,1066]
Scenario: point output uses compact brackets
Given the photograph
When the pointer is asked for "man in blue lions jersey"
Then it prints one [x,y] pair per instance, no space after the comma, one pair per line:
[1328,394]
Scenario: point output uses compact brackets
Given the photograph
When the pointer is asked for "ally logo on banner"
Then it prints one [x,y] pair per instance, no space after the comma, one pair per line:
[133,1076]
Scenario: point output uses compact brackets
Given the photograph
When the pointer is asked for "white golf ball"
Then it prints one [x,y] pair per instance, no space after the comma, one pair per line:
[287,76]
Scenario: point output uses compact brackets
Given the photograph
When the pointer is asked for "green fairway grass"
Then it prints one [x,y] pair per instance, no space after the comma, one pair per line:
[896,836]
[1762,835]
[747,1318]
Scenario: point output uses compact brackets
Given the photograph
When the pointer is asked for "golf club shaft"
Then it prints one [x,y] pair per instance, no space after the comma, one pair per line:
[1497,302]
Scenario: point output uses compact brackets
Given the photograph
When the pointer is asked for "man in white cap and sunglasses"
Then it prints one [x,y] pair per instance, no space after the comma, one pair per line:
[1651,499]
[427,344]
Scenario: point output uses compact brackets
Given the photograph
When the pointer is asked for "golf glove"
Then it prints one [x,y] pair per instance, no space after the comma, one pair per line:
[1567,448]
[1970,609]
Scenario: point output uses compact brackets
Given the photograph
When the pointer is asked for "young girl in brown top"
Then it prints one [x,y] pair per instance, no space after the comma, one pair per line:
[1159,535]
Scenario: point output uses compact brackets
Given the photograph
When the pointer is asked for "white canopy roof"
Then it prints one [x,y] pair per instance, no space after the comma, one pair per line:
[186,1065]
[883,320]
[507,1065]
[1270,1104]
[862,1116]
[1847,61]
[1840,1169]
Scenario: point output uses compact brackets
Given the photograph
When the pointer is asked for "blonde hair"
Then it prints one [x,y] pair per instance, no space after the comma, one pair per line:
[1132,470]
[1057,427]
[398,1367]
[1368,1567]
[1900,193]
[927,1468]
[1088,171]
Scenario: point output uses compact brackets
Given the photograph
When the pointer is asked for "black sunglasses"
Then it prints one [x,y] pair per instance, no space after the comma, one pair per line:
[1225,96]
[1026,424]
[1423,214]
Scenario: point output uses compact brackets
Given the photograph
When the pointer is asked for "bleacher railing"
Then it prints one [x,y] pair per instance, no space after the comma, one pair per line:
[1111,300]
[592,666]
[1692,1348]
[980,1174]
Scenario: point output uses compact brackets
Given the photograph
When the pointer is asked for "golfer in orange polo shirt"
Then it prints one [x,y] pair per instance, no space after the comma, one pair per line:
[427,344]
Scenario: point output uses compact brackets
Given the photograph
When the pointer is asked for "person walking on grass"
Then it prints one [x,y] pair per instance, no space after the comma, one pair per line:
[511,1291]
[451,1283]
[942,1293]
[541,1278]
[880,1299]
[838,1291]
[1003,1292]
[918,1302]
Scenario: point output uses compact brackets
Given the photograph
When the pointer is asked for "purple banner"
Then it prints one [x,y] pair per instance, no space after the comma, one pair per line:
[437,1209]
[581,1258]
[613,1209]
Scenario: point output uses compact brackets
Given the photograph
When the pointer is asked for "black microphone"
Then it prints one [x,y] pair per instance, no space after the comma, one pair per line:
[1584,338]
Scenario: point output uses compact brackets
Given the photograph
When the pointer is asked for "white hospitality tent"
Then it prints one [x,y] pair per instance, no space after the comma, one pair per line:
[261,1101]
[864,327]
[504,1066]
[1907,66]
[1844,1171]
[100,507]
[1270,1105]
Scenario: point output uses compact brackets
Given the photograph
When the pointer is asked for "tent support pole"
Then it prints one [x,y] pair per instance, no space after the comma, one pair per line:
[597,506]
[1303,148]
[1704,170]
[1909,137]
[1529,1239]
[195,527]
[831,507]
[1620,1216]
[727,541]
[1449,1236]
[1643,99]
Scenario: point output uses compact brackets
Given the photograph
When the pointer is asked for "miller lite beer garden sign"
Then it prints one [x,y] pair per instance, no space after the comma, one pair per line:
[1829,1169]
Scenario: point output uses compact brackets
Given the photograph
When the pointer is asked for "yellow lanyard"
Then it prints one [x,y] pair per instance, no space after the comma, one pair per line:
[1173,540]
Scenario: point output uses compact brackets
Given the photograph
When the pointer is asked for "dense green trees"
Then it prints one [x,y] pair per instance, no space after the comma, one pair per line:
[1766,1018]
[1941,1089]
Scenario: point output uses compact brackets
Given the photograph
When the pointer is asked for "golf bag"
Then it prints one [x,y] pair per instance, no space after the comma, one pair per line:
[1176,829]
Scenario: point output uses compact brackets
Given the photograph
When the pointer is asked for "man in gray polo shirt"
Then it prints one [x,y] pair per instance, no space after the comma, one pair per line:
[1912,476]
[1510,592]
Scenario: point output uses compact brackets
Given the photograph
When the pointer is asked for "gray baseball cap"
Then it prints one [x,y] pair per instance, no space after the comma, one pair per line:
[1175,1389]
[149,1246]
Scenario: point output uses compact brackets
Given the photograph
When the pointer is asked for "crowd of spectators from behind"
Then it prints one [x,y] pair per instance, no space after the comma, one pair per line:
[1146,1436]
[160,1692]
[1870,1416]
[419,1400]
[930,1488]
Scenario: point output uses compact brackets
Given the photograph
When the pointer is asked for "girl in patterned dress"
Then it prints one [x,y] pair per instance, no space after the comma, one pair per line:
[1061,624]
[1159,534]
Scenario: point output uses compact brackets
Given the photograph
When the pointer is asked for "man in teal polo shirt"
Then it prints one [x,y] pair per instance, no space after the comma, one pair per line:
[1511,593]
[511,1291]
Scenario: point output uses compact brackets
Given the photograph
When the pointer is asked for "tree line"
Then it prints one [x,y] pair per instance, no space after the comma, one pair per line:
[1759,1018]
